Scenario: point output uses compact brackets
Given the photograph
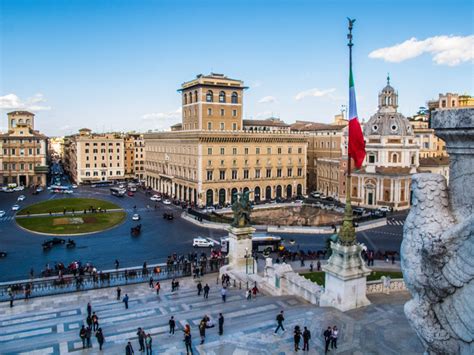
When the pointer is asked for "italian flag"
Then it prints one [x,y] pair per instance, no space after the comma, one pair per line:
[356,138]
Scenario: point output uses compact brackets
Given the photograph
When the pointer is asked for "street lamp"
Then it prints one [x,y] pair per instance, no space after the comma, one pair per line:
[246,260]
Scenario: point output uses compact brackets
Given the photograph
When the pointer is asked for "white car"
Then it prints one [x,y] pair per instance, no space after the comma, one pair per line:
[210,209]
[74,186]
[136,217]
[15,207]
[384,209]
[155,198]
[39,189]
[201,242]
[2,213]
[167,202]
[21,197]
[68,191]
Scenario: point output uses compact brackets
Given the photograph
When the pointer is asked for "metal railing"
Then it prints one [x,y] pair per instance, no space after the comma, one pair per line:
[54,285]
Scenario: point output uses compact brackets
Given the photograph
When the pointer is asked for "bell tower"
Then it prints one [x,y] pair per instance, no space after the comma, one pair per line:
[388,98]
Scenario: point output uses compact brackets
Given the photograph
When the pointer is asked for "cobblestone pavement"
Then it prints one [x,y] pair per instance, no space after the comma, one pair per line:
[50,325]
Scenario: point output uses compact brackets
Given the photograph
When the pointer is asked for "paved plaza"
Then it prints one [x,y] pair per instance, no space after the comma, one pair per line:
[50,325]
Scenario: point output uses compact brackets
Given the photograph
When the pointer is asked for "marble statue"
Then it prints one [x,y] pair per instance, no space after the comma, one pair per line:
[241,208]
[437,252]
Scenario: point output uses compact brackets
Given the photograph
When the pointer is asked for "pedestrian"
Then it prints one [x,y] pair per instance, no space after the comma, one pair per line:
[89,321]
[306,338]
[206,291]
[248,295]
[334,335]
[117,264]
[12,297]
[89,309]
[202,330]
[125,300]
[297,337]
[223,293]
[141,339]
[318,266]
[82,335]
[88,337]
[148,342]
[119,291]
[100,337]
[327,339]
[129,349]
[255,291]
[393,259]
[311,267]
[150,283]
[199,288]
[280,319]
[172,324]
[187,339]
[221,324]
[157,287]
[95,322]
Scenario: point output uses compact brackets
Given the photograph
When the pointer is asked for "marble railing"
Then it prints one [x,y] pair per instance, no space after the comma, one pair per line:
[378,286]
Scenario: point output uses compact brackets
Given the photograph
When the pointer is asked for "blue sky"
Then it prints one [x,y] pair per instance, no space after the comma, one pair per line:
[116,65]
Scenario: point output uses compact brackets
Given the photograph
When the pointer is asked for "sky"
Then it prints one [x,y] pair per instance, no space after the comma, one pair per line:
[114,65]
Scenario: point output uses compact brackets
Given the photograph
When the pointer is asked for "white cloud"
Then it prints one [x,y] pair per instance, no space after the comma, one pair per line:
[446,50]
[267,100]
[13,102]
[161,120]
[264,114]
[314,93]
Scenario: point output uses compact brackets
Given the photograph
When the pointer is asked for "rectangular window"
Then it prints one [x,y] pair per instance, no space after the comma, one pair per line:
[209,151]
[279,150]
[222,112]
[257,174]
[222,151]
[209,111]
[234,151]
[234,113]
[290,150]
[269,173]
[246,174]
[209,126]
[300,172]
[371,158]
[222,175]
[300,150]
[246,151]
[222,126]
[278,172]
[234,174]
[269,150]
[234,126]
[257,150]
[209,175]
[289,172]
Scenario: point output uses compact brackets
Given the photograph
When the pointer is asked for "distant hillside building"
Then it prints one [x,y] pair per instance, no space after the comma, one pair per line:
[23,151]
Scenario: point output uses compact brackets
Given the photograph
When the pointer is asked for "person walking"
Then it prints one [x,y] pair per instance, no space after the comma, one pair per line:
[129,349]
[187,339]
[100,337]
[89,309]
[150,282]
[255,291]
[327,339]
[157,287]
[172,324]
[141,339]
[306,338]
[95,322]
[221,324]
[125,300]
[297,337]
[199,288]
[89,321]
[148,342]
[88,337]
[12,298]
[223,293]
[119,292]
[82,335]
[248,295]
[334,335]
[279,319]
[202,330]
[311,267]
[117,264]
[318,265]
[206,291]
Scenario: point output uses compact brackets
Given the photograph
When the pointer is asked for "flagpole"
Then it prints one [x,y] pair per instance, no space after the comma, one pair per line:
[350,44]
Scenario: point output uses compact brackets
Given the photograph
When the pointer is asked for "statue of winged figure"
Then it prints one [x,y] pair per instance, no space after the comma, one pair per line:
[241,208]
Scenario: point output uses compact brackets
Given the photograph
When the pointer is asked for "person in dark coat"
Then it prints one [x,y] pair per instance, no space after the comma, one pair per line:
[172,324]
[221,324]
[327,339]
[306,338]
[129,349]
[206,291]
[141,339]
[100,338]
[82,335]
[280,320]
[125,300]
[199,288]
[297,337]
[202,330]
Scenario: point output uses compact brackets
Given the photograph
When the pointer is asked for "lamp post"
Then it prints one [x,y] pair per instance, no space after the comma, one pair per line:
[247,260]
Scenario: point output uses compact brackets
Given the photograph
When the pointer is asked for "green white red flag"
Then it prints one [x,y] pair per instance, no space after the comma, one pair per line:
[356,138]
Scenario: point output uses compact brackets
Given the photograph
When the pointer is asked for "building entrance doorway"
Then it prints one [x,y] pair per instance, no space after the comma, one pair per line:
[22,180]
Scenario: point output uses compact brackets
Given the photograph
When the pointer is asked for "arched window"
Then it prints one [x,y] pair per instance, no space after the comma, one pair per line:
[209,96]
[234,98]
[13,122]
[28,121]
[190,97]
[195,96]
[185,99]
[394,158]
[222,96]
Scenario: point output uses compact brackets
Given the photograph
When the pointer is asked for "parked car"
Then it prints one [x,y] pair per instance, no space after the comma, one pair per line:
[201,242]
[167,202]
[359,211]
[136,217]
[210,209]
[315,194]
[15,207]
[39,189]
[155,198]
[74,186]
[21,197]
[130,193]
[384,209]
[2,213]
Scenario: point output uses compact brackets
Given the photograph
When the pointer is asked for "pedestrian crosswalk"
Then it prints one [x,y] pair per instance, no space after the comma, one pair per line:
[395,222]
[7,218]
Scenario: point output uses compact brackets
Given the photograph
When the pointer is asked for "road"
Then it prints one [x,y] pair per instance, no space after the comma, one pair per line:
[159,237]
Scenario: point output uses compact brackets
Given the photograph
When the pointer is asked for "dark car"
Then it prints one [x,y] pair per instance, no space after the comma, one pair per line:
[359,211]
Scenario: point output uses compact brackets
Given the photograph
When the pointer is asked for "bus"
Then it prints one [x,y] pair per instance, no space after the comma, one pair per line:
[101,183]
[260,243]
[117,191]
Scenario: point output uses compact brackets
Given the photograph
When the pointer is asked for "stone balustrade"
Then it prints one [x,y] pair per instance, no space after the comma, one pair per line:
[378,286]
